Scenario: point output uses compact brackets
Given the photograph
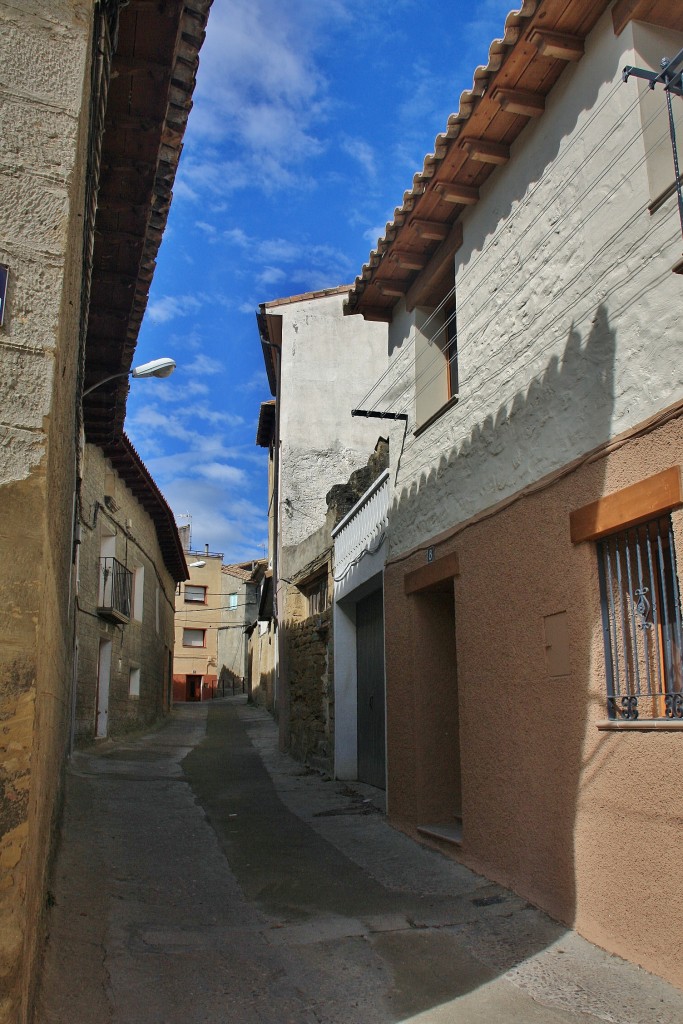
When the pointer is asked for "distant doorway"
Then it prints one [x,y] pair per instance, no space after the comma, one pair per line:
[370,688]
[103,679]
[194,688]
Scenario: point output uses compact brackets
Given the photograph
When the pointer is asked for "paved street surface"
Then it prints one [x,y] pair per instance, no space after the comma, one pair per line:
[205,877]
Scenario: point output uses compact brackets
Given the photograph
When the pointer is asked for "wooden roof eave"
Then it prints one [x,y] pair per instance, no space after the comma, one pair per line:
[540,39]
[141,146]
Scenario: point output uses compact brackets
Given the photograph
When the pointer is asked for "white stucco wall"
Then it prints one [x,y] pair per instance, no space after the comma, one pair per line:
[568,313]
[329,362]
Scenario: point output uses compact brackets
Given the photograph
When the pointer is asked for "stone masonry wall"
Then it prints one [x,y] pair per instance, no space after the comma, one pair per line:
[311,680]
[45,60]
[137,644]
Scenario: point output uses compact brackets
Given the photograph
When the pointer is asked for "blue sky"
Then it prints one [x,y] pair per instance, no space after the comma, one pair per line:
[309,121]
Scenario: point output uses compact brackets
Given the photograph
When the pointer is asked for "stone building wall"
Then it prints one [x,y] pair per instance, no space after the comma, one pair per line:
[145,644]
[45,50]
[311,680]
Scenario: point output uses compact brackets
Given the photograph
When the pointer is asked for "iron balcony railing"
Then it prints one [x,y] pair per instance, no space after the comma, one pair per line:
[116,587]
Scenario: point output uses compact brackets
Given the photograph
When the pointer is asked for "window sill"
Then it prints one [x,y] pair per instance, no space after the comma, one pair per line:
[435,415]
[644,725]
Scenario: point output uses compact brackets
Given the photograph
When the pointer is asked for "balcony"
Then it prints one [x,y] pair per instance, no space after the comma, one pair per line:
[116,587]
[361,532]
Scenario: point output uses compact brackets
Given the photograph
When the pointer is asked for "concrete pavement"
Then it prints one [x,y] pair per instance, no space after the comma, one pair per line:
[205,877]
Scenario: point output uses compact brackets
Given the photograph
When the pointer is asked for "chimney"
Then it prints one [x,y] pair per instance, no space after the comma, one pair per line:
[206,549]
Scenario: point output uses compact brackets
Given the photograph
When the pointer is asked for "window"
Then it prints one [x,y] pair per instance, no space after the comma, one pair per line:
[195,594]
[194,638]
[436,361]
[232,600]
[651,44]
[641,617]
[134,682]
[138,591]
[316,594]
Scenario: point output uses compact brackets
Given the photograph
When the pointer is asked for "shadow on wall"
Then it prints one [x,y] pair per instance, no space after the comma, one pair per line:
[521,724]
[262,690]
[229,682]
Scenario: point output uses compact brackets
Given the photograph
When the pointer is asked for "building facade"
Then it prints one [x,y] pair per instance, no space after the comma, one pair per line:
[127,576]
[239,610]
[532,598]
[77,244]
[320,366]
[198,610]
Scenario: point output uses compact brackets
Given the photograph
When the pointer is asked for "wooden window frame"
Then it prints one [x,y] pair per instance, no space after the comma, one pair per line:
[194,600]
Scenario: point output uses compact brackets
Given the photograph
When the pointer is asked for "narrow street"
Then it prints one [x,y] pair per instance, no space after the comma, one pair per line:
[205,877]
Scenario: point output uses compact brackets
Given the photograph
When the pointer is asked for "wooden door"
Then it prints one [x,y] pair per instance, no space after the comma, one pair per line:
[370,674]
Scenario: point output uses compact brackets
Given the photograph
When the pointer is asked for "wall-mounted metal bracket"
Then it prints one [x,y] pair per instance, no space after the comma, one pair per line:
[375,414]
[671,77]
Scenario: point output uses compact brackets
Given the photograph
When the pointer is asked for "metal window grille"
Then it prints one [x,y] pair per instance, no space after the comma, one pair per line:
[641,620]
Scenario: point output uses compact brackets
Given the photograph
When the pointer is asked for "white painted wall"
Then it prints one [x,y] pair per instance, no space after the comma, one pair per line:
[359,557]
[568,315]
[329,362]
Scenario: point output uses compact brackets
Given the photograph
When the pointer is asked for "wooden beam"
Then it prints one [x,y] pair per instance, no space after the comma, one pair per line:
[623,12]
[486,152]
[435,269]
[436,575]
[376,314]
[516,101]
[392,289]
[557,45]
[434,230]
[408,260]
[452,192]
[635,504]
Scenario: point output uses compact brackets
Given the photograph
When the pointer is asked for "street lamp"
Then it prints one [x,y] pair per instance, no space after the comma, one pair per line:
[196,565]
[163,367]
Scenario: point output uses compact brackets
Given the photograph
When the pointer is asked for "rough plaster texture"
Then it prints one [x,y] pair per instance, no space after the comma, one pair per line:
[44,82]
[579,821]
[232,640]
[329,362]
[139,643]
[567,310]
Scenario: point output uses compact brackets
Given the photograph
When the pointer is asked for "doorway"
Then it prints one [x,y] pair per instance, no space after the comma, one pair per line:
[103,679]
[437,749]
[370,690]
[194,688]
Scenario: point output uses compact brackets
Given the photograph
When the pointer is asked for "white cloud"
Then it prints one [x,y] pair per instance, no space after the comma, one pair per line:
[257,382]
[374,234]
[204,365]
[264,93]
[170,307]
[362,152]
[271,275]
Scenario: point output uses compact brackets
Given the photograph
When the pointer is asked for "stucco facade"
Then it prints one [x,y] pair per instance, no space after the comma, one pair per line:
[503,744]
[132,688]
[198,605]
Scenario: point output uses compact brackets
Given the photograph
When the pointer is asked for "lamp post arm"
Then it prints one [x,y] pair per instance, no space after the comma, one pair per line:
[106,380]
